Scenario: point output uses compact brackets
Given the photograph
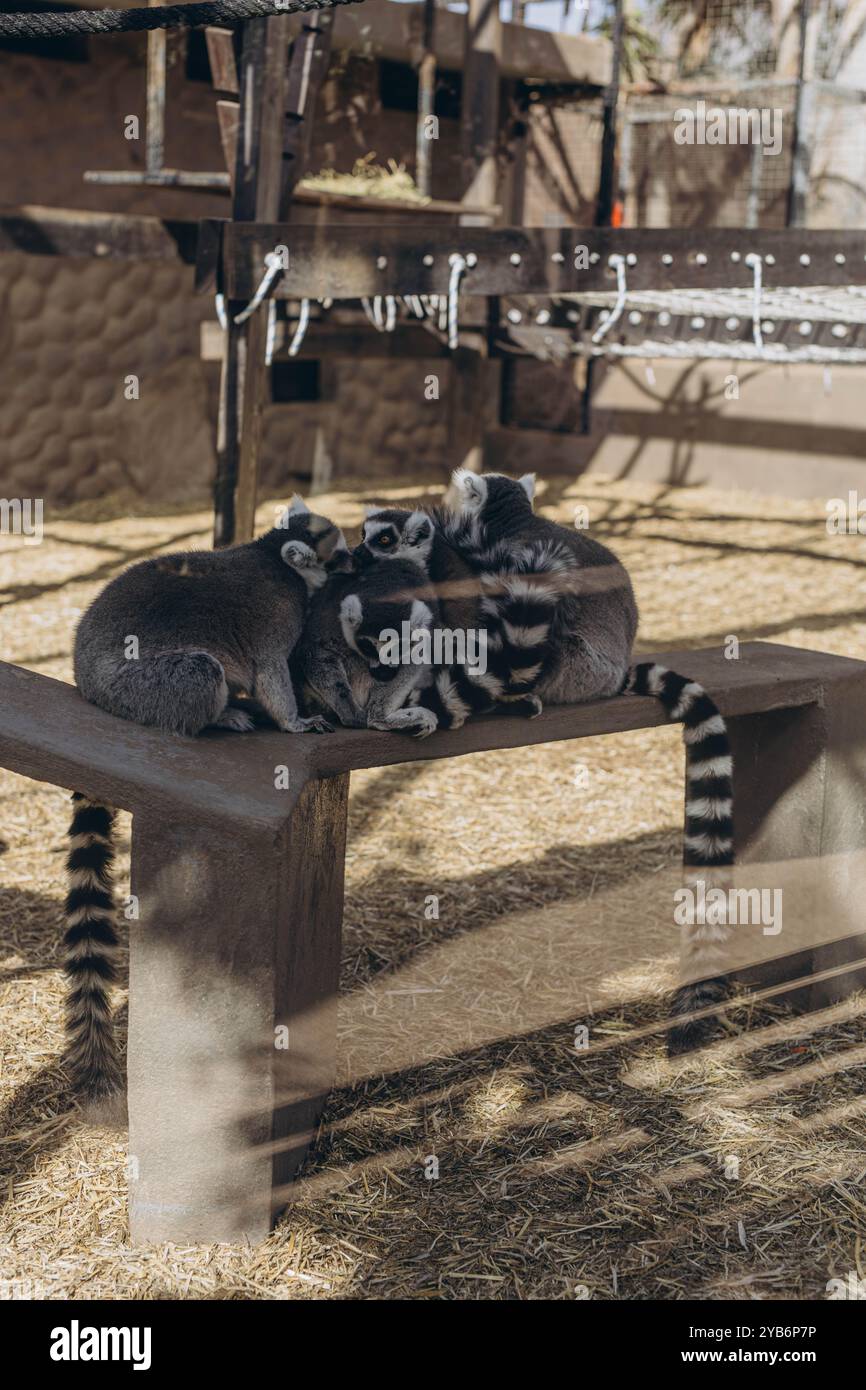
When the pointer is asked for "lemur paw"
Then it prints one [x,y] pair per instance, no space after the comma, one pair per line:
[316,724]
[425,722]
[236,719]
[417,721]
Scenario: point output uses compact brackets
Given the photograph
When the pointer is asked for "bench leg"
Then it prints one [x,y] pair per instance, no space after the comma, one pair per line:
[800,789]
[234,966]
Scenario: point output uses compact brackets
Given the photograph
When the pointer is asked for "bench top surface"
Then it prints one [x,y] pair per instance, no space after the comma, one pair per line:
[49,733]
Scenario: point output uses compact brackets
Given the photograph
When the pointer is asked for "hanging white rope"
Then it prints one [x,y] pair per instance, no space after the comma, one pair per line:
[756,262]
[844,307]
[220,306]
[368,310]
[618,262]
[301,329]
[458,269]
[271,338]
[274,266]
[373,310]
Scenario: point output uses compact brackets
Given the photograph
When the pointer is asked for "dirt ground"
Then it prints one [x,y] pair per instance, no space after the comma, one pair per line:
[469,1150]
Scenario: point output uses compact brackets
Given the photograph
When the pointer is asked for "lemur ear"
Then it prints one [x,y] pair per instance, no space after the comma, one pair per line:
[418,528]
[471,487]
[297,507]
[527,482]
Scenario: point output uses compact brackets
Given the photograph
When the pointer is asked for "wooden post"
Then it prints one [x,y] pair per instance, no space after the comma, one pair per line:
[277,100]
[232,1019]
[480,114]
[156,72]
[606,179]
[426,102]
[256,198]
[606,186]
[798,187]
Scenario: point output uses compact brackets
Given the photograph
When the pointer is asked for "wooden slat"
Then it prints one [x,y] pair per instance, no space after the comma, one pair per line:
[223,64]
[347,262]
[42,231]
[48,732]
[311,53]
[227,118]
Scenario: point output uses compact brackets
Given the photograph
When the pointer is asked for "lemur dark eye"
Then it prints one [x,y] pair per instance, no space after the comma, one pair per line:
[384,540]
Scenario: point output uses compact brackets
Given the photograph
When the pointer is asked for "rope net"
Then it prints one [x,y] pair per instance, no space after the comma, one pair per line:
[51,25]
[815,323]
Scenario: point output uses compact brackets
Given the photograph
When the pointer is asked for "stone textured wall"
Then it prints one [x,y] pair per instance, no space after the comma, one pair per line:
[71,332]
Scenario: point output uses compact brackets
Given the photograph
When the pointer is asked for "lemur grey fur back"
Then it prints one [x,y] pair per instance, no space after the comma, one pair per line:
[168,643]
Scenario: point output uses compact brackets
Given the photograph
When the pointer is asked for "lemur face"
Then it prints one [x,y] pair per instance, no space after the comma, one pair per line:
[391,534]
[315,548]
[470,494]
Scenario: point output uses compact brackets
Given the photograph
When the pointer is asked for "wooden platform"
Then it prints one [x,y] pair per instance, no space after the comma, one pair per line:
[240,886]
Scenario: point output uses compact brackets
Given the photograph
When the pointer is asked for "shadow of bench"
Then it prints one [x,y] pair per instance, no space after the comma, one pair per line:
[238,848]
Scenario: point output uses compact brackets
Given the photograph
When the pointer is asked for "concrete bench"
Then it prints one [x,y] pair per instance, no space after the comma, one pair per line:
[240,885]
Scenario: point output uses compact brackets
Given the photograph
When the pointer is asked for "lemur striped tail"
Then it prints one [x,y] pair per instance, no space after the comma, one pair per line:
[90,944]
[454,697]
[708,845]
[519,619]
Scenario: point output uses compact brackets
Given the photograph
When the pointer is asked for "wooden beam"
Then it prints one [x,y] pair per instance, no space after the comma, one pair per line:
[347,262]
[42,231]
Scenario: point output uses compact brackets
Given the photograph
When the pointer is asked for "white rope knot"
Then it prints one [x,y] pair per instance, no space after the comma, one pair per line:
[458,269]
[274,265]
[618,263]
[757,264]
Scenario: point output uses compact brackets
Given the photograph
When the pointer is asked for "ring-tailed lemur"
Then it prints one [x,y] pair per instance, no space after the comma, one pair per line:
[561,618]
[167,643]
[457,691]
[338,660]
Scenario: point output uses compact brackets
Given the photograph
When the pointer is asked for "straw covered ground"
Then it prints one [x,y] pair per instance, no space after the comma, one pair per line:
[470,1150]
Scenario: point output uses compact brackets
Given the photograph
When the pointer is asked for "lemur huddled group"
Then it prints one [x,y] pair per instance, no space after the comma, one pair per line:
[293,625]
